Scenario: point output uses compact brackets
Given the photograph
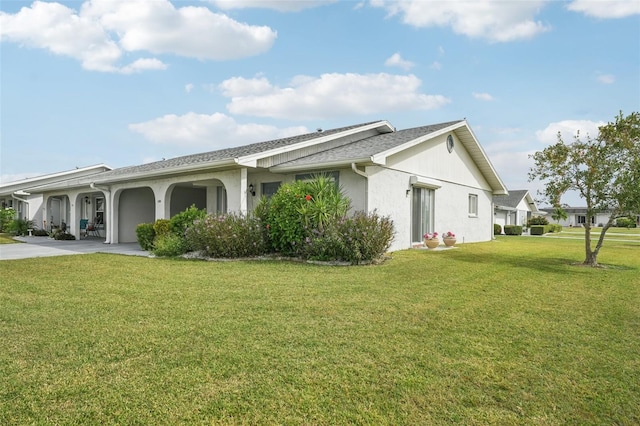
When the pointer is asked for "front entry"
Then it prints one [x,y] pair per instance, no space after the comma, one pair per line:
[422,213]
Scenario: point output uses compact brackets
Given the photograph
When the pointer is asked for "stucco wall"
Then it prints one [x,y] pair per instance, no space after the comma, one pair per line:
[135,206]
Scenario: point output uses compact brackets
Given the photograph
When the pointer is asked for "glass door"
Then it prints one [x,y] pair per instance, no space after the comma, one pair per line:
[422,213]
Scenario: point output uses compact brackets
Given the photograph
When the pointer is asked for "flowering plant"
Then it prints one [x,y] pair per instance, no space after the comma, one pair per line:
[449,234]
[428,236]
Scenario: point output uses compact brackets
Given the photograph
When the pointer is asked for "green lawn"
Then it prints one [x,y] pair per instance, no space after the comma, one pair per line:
[506,332]
[626,234]
[7,239]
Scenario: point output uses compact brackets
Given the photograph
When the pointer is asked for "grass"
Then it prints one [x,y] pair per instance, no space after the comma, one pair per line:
[7,239]
[631,235]
[507,332]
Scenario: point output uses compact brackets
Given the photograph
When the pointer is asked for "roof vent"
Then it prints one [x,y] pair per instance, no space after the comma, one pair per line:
[319,130]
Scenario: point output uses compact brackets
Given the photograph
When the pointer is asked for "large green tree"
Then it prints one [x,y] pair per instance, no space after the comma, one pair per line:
[605,171]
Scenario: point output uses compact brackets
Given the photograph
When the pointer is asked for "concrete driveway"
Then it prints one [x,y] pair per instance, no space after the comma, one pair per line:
[46,247]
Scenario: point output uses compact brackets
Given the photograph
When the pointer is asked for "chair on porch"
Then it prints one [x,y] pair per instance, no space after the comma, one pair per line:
[83,227]
[91,228]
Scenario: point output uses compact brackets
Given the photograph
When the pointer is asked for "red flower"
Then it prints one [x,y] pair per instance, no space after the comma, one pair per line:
[308,197]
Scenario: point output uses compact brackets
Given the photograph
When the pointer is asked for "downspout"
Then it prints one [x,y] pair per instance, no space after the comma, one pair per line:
[107,193]
[366,185]
[25,205]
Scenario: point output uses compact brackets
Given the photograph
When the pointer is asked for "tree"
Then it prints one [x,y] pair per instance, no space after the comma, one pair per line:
[559,214]
[605,171]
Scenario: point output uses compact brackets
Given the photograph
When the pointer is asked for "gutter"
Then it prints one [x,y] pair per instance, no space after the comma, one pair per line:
[358,171]
[107,192]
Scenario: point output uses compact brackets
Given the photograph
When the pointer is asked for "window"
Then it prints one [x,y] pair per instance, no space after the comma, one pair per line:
[309,176]
[99,211]
[270,188]
[422,213]
[473,205]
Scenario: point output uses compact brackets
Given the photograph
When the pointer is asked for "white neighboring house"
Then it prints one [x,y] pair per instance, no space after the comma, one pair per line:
[29,205]
[430,178]
[516,208]
[577,216]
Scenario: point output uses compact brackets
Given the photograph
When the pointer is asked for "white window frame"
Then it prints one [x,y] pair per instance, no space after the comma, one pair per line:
[473,205]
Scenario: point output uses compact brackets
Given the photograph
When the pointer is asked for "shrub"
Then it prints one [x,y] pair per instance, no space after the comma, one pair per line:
[537,220]
[146,234]
[625,222]
[40,233]
[537,230]
[60,235]
[161,227]
[299,207]
[360,238]
[6,216]
[513,230]
[169,245]
[227,236]
[497,229]
[179,223]
[19,226]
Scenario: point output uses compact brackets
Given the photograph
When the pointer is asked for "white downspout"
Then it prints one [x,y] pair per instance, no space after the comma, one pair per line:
[25,204]
[366,185]
[107,193]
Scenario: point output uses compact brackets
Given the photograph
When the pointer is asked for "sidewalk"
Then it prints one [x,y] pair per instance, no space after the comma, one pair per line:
[46,247]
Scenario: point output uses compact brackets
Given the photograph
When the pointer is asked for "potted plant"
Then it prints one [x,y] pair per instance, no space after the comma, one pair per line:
[449,238]
[431,240]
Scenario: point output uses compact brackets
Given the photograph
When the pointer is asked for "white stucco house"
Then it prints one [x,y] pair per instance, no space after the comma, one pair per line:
[577,216]
[29,205]
[430,178]
[516,208]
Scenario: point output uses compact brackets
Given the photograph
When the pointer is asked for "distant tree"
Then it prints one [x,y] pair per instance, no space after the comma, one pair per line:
[605,171]
[559,214]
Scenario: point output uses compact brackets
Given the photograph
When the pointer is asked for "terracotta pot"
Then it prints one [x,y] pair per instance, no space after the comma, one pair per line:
[431,243]
[449,241]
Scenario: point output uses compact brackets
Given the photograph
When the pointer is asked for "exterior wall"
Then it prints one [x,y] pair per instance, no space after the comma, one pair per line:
[135,206]
[459,177]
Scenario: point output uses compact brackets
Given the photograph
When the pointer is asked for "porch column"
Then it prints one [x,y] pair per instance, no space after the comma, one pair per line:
[243,190]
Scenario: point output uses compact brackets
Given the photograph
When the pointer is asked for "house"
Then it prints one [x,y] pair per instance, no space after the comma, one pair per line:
[29,206]
[430,178]
[516,208]
[577,216]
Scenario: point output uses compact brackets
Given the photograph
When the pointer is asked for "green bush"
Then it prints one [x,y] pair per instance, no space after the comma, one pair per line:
[40,233]
[169,245]
[360,238]
[555,227]
[537,230]
[19,226]
[513,230]
[537,220]
[146,234]
[497,229]
[227,236]
[625,222]
[6,216]
[161,227]
[179,223]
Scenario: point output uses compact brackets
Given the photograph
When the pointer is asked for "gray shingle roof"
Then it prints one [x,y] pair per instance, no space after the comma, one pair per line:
[220,155]
[368,147]
[512,200]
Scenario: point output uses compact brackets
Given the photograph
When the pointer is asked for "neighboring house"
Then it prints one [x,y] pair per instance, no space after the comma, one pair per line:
[29,206]
[431,178]
[516,208]
[577,216]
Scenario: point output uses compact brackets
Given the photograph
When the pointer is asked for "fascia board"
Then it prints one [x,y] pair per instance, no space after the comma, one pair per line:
[326,165]
[381,157]
[252,159]
[167,172]
[50,179]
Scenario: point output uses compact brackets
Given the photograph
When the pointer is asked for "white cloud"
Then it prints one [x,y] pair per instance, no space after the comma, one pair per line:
[330,95]
[497,21]
[606,9]
[606,78]
[396,60]
[279,5]
[214,131]
[483,96]
[103,30]
[568,129]
[188,87]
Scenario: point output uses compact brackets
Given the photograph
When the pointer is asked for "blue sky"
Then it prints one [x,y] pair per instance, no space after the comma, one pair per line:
[129,82]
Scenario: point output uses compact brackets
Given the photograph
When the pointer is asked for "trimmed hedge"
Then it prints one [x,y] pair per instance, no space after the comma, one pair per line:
[513,230]
[497,229]
[538,229]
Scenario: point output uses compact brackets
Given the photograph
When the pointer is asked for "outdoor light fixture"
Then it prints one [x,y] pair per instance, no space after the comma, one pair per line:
[86,200]
[252,190]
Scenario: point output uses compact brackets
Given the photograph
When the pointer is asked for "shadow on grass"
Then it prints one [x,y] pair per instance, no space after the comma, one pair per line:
[552,264]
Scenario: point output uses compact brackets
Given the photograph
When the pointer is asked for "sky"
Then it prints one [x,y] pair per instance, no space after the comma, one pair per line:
[129,82]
